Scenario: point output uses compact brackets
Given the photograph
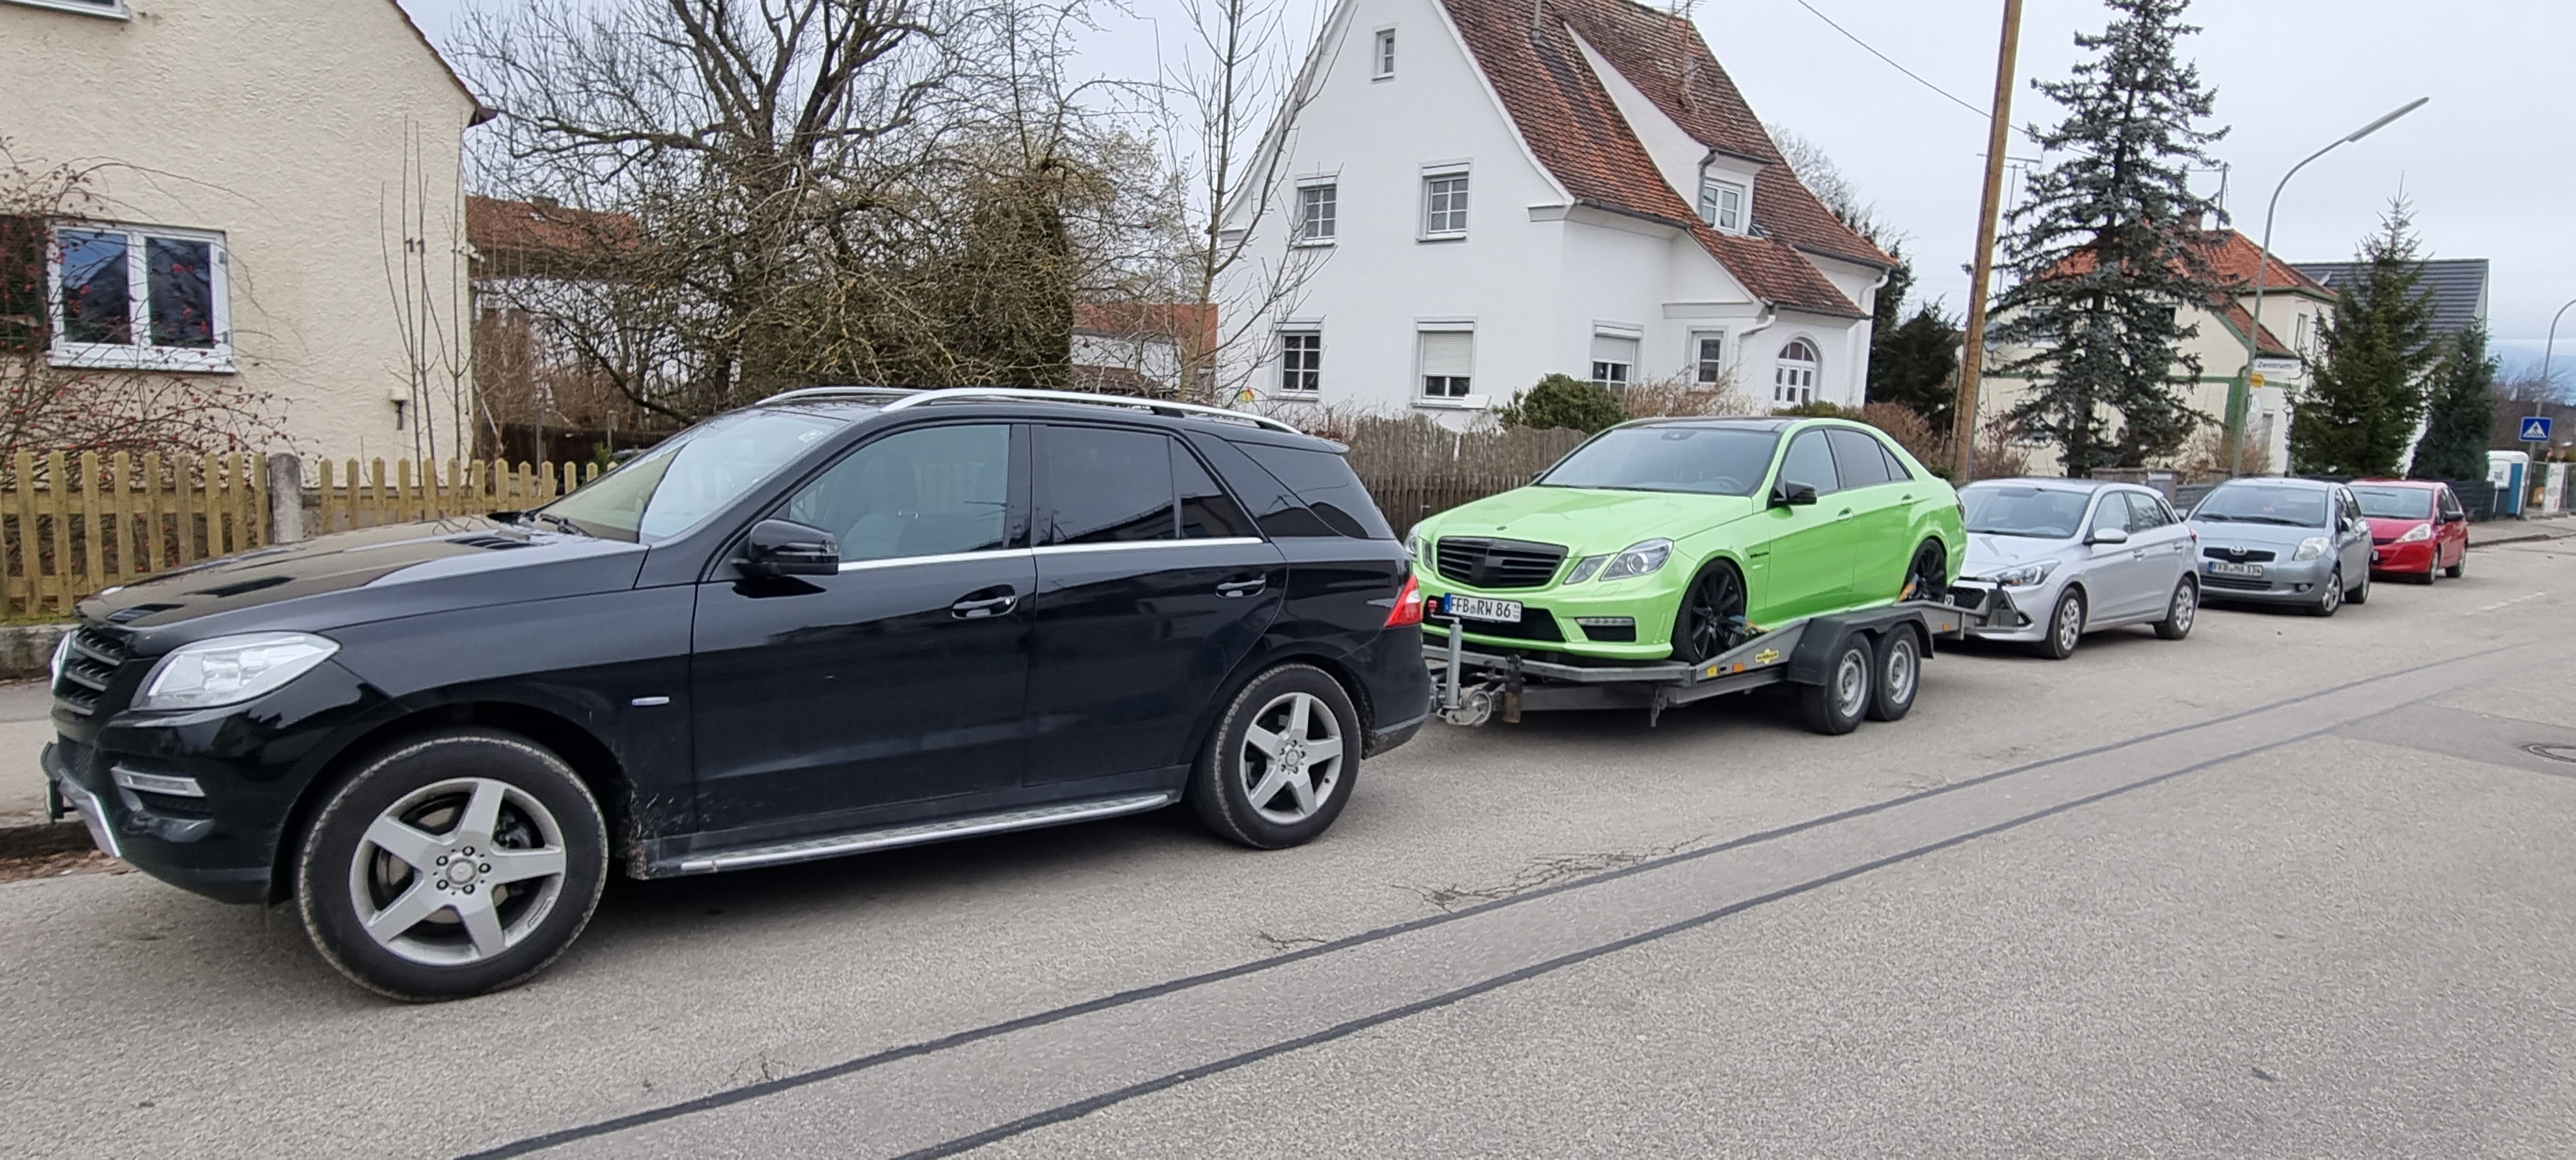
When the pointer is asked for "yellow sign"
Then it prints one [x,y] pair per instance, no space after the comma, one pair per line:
[2255,379]
[1766,656]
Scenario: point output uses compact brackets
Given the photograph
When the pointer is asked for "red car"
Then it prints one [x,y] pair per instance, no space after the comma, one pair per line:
[2417,528]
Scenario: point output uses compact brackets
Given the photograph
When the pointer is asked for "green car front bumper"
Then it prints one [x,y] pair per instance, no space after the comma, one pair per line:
[1618,620]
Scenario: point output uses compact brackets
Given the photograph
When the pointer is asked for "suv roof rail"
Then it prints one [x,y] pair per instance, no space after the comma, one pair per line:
[1157,406]
[803,394]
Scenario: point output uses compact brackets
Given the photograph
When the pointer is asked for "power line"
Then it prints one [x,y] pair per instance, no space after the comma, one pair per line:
[1891,61]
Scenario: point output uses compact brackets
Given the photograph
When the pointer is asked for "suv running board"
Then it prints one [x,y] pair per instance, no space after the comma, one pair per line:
[919,833]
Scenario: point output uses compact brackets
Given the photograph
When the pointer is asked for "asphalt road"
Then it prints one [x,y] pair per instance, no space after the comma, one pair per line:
[2289,888]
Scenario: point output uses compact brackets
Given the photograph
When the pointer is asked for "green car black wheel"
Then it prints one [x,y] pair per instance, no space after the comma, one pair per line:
[1712,616]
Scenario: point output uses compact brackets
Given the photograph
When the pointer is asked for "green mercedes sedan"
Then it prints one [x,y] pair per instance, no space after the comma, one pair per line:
[1683,538]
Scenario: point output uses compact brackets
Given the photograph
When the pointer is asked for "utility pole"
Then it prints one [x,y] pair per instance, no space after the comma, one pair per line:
[1972,355]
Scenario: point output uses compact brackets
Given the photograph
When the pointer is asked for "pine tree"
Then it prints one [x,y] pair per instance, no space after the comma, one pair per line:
[2365,394]
[1916,363]
[2461,412]
[2100,252]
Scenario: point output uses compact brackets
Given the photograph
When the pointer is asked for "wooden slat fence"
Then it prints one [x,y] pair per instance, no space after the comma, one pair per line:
[1415,469]
[351,499]
[71,525]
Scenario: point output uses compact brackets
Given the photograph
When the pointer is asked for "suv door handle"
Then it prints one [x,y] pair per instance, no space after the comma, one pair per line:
[984,602]
[1235,589]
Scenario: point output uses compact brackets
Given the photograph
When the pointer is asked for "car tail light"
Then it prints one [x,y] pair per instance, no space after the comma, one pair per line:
[1408,605]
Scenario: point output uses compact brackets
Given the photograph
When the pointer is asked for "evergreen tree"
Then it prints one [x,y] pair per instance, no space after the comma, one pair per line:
[1915,363]
[1563,401]
[2365,395]
[2461,412]
[2100,252]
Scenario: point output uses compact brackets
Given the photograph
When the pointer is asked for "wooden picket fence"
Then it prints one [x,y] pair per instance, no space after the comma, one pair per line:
[351,500]
[70,526]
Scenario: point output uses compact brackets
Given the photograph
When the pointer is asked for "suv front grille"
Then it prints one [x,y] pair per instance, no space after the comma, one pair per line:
[89,666]
[1482,563]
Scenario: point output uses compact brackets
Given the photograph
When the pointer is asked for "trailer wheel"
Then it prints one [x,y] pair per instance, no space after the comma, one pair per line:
[1896,676]
[1836,705]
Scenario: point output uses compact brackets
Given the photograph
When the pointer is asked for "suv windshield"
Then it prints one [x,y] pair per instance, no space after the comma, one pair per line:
[688,476]
[2395,503]
[2256,503]
[1705,460]
[2008,510]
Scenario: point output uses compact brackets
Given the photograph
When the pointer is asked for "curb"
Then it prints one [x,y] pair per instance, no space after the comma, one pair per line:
[43,838]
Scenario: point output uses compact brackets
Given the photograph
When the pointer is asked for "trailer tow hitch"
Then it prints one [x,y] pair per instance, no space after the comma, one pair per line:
[1474,704]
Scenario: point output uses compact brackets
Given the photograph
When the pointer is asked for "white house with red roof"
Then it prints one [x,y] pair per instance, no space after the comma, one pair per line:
[1467,195]
[2296,308]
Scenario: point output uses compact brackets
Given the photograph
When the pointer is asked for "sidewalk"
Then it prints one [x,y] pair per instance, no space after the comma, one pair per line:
[2513,531]
[26,724]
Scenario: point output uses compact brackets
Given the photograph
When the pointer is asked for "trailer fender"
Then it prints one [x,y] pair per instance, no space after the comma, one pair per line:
[1813,659]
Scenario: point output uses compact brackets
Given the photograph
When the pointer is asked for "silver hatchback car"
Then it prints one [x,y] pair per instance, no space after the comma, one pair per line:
[2052,559]
[2303,542]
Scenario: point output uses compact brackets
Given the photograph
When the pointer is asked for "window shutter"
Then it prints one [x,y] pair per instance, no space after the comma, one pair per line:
[1448,352]
[1612,348]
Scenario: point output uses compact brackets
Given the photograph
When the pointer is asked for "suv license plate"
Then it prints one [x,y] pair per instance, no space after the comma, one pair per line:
[2223,568]
[1479,608]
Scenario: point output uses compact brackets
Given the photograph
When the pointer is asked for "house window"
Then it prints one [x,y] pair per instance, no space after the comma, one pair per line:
[1444,205]
[1793,380]
[1384,59]
[1317,206]
[137,297]
[1721,204]
[1708,364]
[1614,360]
[1301,362]
[1448,360]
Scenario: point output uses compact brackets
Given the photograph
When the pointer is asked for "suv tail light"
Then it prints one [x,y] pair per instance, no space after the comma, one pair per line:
[1408,605]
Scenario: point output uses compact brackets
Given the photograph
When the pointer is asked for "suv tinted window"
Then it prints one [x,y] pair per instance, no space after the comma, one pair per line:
[1811,461]
[1857,459]
[1206,511]
[1100,485]
[915,493]
[1326,484]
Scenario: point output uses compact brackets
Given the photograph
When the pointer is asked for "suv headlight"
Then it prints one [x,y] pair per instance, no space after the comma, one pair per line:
[2025,575]
[1638,559]
[2311,548]
[228,670]
[2417,534]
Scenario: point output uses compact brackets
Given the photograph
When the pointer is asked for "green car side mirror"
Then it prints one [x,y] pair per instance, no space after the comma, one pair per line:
[1793,495]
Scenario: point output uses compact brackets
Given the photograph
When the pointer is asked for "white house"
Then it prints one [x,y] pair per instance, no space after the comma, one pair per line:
[1471,194]
[279,206]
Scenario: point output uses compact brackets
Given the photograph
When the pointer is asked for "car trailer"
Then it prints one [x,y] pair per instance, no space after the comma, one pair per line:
[1847,665]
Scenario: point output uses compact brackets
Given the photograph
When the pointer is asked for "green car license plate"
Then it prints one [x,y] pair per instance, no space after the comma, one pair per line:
[2223,568]
[1480,608]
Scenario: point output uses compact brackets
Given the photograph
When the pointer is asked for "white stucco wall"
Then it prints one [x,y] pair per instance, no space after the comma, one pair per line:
[1535,277]
[285,125]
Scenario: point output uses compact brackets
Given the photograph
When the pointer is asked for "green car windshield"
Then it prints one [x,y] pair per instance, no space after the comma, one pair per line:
[1700,460]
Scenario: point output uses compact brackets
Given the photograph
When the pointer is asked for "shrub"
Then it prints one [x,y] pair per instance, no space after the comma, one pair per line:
[1562,401]
[1674,395]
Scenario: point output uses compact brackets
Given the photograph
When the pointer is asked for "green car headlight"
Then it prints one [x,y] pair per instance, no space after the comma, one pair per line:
[1584,568]
[1416,546]
[1639,559]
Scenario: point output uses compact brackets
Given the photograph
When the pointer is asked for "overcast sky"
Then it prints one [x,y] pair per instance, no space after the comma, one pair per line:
[2487,163]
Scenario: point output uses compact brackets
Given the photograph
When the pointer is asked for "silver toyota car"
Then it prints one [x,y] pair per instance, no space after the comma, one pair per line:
[2052,559]
[2284,541]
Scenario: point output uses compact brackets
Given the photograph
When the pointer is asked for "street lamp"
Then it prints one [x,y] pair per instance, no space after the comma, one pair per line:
[2541,396]
[2238,392]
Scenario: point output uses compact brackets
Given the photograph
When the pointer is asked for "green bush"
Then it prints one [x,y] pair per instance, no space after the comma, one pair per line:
[1563,401]
[1818,409]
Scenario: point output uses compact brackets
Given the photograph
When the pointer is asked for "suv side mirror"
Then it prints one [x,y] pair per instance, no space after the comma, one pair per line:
[1793,495]
[786,548]
[2108,536]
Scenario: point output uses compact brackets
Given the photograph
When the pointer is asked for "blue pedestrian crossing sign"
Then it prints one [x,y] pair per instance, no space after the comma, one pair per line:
[2535,429]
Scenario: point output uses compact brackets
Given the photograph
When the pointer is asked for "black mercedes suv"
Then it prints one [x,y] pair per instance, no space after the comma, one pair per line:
[843,619]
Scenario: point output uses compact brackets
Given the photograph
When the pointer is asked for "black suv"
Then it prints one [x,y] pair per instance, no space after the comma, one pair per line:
[844,619]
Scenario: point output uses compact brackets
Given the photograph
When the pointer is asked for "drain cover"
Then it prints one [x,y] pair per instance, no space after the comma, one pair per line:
[2566,753]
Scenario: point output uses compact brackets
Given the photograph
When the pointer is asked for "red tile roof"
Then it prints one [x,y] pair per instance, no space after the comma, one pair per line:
[1575,129]
[514,238]
[2232,257]
[2265,342]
